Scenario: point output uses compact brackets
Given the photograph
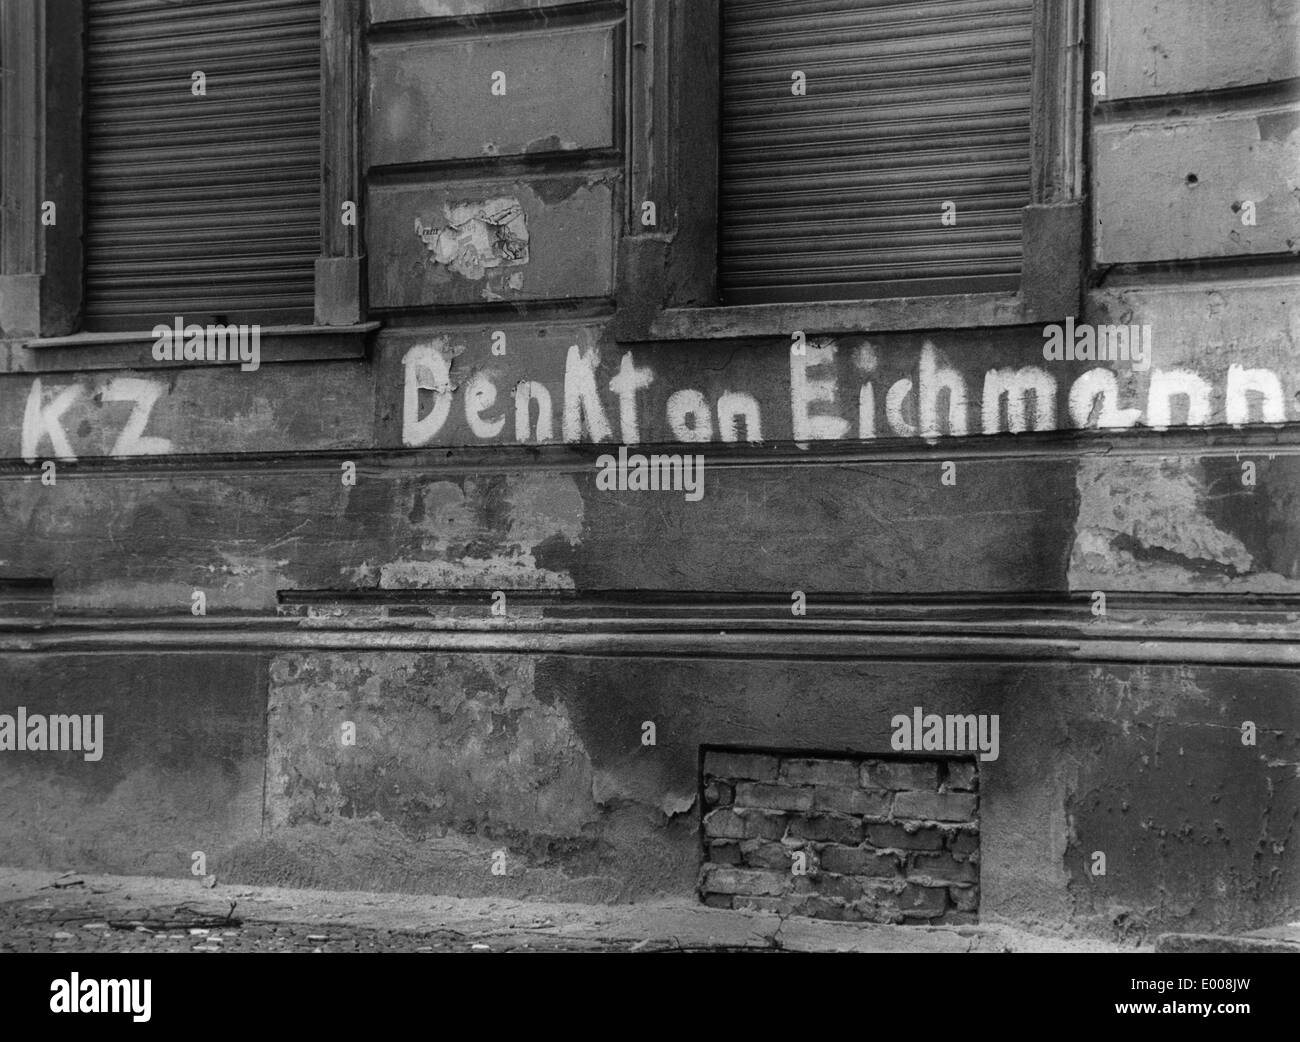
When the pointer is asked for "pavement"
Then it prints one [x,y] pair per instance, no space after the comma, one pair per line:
[69,912]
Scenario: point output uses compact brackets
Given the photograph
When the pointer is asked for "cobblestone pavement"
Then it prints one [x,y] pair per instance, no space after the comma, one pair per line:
[49,912]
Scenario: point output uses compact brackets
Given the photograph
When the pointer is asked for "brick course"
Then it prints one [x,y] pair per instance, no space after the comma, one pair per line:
[749,766]
[773,797]
[766,853]
[852,801]
[900,774]
[829,828]
[942,868]
[924,902]
[935,806]
[726,823]
[841,773]
[961,776]
[880,840]
[899,838]
[722,879]
[859,861]
[719,793]
[964,843]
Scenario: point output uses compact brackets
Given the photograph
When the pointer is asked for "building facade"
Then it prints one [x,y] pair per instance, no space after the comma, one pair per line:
[342,340]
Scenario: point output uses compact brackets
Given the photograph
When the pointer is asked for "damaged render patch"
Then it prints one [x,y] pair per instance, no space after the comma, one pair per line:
[497,572]
[1143,524]
[1145,692]
[443,744]
[478,236]
[487,531]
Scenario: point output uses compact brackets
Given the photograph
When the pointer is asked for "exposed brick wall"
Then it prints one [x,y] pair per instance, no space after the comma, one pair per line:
[893,841]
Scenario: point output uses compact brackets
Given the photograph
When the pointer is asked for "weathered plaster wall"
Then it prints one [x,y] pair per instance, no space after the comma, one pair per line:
[196,411]
[1171,175]
[242,535]
[491,153]
[569,242]
[1171,523]
[181,767]
[485,215]
[1162,47]
[1197,826]
[458,756]
[1174,187]
[433,100]
[1190,132]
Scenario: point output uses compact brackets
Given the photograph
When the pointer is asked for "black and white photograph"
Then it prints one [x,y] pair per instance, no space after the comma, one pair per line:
[649,477]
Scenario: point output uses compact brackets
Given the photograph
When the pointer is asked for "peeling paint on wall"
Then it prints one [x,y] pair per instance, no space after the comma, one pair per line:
[478,236]
[454,757]
[453,524]
[432,734]
[1146,524]
[1196,524]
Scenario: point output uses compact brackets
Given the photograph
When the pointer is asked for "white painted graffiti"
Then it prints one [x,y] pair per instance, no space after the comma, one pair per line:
[941,400]
[826,402]
[43,418]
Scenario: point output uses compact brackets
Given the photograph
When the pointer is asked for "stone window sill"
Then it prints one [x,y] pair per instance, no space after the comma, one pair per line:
[893,314]
[134,350]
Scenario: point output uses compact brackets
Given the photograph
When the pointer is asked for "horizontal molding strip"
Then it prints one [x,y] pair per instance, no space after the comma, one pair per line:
[1160,107]
[1230,273]
[1201,442]
[94,352]
[728,323]
[1172,640]
[432,320]
[992,605]
[730,646]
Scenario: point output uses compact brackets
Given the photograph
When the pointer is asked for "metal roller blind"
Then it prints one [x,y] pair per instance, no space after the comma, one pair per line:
[201,206]
[838,194]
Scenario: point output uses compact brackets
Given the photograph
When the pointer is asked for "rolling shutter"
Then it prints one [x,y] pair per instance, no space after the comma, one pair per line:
[201,206]
[838,194]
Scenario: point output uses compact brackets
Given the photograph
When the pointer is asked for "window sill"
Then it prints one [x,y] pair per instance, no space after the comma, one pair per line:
[892,314]
[134,350]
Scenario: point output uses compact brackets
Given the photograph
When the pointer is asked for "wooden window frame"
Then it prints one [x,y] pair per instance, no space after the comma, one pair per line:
[667,276]
[41,267]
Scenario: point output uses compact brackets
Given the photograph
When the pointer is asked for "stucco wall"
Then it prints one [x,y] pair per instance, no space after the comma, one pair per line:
[476,733]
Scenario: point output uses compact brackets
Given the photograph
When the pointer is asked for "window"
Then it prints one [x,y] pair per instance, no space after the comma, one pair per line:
[202,161]
[872,149]
[133,189]
[842,166]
